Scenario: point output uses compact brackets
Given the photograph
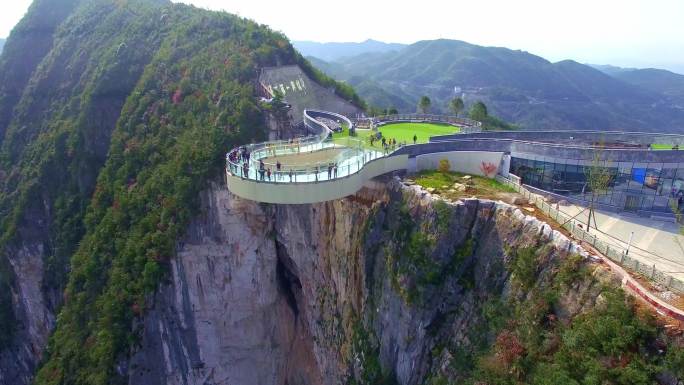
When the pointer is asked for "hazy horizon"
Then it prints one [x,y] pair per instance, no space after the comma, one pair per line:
[629,33]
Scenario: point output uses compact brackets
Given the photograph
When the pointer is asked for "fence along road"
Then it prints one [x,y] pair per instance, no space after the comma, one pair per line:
[610,249]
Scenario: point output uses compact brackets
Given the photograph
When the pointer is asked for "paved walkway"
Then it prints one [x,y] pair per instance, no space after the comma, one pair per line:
[654,242]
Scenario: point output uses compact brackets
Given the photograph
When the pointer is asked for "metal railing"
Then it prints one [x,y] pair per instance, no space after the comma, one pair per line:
[615,253]
[347,162]
[260,161]
[467,125]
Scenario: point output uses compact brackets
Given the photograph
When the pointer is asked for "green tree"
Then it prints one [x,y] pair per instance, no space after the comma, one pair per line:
[599,177]
[478,112]
[444,166]
[424,104]
[456,105]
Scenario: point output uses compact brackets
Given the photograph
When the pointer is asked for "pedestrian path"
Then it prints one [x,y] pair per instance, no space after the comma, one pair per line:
[654,242]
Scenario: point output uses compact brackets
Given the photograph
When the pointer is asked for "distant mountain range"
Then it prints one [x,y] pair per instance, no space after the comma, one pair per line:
[335,51]
[519,87]
[660,81]
[2,44]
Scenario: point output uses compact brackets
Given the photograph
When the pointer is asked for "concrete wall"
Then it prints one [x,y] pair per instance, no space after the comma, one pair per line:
[467,162]
[312,192]
[574,138]
[528,149]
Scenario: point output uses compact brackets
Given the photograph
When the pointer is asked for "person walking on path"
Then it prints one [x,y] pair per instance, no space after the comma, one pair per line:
[290,174]
[268,172]
[335,170]
[316,173]
[278,166]
[329,170]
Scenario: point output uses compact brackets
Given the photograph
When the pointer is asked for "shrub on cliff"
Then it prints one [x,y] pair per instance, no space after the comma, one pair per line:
[165,148]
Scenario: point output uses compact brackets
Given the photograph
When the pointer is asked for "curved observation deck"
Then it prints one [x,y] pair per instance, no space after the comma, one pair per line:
[311,169]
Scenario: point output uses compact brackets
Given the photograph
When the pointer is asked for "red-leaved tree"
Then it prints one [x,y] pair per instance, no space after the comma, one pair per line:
[488,168]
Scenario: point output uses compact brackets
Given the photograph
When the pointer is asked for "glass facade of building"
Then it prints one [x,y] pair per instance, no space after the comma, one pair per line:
[634,185]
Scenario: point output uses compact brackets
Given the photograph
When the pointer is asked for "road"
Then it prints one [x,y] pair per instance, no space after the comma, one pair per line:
[654,242]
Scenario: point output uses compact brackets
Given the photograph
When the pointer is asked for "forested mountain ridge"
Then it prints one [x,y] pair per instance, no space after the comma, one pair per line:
[517,86]
[662,82]
[113,116]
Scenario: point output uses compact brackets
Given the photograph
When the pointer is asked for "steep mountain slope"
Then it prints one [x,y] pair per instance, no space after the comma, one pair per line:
[114,115]
[66,95]
[2,44]
[335,51]
[17,63]
[518,86]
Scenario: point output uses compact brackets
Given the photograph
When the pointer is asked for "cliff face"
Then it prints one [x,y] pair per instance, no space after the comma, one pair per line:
[324,293]
[99,95]
[58,108]
[226,316]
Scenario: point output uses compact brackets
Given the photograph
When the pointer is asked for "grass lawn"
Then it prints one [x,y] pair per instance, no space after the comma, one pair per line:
[443,182]
[402,132]
[342,134]
[343,138]
[659,146]
[405,131]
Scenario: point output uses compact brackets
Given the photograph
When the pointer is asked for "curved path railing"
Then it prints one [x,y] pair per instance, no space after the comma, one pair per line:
[276,161]
[466,125]
[313,124]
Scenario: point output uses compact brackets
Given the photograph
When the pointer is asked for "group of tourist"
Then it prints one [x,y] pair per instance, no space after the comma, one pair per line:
[388,145]
[265,173]
[239,164]
[238,159]
[332,170]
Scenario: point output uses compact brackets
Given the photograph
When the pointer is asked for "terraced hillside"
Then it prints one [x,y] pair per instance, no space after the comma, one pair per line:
[300,92]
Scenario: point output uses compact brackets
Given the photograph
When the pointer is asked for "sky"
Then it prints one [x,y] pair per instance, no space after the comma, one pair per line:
[628,33]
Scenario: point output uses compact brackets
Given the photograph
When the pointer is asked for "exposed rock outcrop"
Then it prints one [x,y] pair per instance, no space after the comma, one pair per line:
[281,294]
[229,314]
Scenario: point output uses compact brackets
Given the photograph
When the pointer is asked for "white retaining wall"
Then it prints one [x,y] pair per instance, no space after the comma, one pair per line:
[467,162]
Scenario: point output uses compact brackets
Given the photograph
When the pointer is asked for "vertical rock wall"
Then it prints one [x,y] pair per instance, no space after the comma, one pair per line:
[263,294]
